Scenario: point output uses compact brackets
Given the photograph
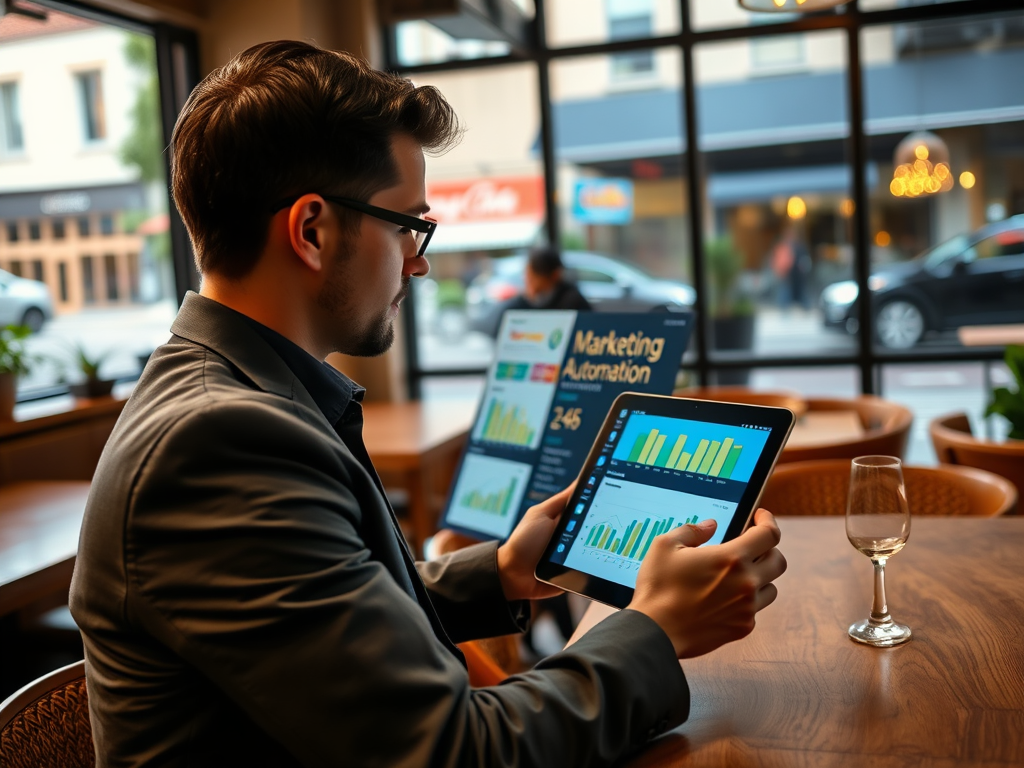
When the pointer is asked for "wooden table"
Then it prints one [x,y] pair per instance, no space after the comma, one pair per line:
[799,692]
[39,525]
[416,445]
[991,335]
[825,428]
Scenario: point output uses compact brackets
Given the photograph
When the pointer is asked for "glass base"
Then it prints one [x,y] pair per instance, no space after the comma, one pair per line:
[879,635]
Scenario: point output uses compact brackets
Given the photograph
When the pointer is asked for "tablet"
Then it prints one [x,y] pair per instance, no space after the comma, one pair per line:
[659,463]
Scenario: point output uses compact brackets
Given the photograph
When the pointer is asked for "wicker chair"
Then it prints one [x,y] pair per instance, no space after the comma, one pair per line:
[46,723]
[954,444]
[821,487]
[886,430]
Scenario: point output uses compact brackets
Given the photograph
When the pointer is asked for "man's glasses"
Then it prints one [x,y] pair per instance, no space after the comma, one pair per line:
[423,229]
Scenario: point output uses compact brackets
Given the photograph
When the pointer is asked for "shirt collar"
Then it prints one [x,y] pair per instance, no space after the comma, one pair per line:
[331,390]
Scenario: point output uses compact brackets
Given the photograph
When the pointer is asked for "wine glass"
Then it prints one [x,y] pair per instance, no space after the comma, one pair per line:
[878,524]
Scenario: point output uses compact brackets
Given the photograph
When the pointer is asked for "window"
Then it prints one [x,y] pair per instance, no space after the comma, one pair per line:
[90,93]
[88,280]
[83,226]
[62,281]
[34,231]
[12,232]
[15,267]
[57,227]
[106,224]
[37,269]
[12,138]
[628,20]
[110,273]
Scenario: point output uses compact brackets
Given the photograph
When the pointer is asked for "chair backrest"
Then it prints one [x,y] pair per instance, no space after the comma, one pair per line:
[821,487]
[46,723]
[780,399]
[886,430]
[954,444]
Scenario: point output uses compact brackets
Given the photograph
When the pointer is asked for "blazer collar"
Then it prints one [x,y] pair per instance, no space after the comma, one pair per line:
[221,329]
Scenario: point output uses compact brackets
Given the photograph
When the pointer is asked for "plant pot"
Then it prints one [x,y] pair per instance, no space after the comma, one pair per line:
[92,388]
[730,334]
[8,393]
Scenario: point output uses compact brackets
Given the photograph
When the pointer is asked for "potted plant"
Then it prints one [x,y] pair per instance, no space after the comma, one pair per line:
[1010,404]
[14,362]
[730,310]
[89,366]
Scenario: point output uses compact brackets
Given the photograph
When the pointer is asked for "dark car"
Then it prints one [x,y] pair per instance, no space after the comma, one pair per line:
[608,285]
[973,279]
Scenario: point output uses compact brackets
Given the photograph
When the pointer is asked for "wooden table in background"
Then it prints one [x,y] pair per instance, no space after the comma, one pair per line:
[825,427]
[414,445]
[39,525]
[799,692]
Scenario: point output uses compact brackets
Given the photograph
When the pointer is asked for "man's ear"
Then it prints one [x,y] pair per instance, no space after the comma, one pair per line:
[307,222]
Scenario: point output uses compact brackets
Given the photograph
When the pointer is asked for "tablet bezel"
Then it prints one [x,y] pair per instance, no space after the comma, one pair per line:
[779,420]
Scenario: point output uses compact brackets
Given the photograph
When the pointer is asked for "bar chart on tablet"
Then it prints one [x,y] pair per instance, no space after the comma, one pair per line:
[715,450]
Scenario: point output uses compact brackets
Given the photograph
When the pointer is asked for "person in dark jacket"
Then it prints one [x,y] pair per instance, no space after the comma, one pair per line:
[243,589]
[545,283]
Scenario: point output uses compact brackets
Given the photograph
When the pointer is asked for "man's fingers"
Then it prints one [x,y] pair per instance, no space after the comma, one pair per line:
[693,535]
[759,539]
[765,596]
[770,567]
[552,507]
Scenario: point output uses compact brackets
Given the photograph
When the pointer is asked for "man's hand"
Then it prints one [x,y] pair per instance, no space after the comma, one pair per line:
[705,598]
[518,557]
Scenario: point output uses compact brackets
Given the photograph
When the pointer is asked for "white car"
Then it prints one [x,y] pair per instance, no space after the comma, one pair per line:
[24,301]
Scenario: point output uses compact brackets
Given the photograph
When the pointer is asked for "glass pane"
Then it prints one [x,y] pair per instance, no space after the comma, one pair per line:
[487,195]
[451,37]
[579,22]
[944,109]
[931,391]
[776,191]
[84,207]
[831,381]
[621,187]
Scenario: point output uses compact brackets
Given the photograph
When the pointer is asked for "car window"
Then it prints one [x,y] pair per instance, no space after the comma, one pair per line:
[945,251]
[592,276]
[1008,243]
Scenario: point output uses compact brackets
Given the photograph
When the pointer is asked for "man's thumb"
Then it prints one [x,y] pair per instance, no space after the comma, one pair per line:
[694,535]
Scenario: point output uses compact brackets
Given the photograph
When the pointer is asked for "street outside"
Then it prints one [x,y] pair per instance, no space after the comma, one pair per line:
[121,335]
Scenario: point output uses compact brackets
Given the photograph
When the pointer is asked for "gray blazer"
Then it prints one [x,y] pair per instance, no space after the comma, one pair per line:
[245,600]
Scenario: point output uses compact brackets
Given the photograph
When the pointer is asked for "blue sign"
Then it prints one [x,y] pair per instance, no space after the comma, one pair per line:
[603,201]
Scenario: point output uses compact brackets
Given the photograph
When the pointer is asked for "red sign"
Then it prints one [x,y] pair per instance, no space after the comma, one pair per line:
[487,200]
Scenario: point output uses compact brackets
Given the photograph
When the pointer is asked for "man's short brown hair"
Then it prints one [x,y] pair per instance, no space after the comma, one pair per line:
[284,119]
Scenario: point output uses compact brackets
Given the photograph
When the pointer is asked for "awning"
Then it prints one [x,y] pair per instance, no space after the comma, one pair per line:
[750,186]
[486,236]
[927,92]
[71,202]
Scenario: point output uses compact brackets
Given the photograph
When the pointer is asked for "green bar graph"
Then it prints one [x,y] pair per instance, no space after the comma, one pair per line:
[698,456]
[730,462]
[652,437]
[631,550]
[497,503]
[638,447]
[653,459]
[676,450]
[709,457]
[723,454]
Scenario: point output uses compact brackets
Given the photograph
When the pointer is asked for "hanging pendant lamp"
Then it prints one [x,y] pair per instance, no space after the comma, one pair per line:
[921,166]
[789,6]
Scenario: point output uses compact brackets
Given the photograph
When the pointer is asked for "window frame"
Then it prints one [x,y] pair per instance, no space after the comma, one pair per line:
[852,21]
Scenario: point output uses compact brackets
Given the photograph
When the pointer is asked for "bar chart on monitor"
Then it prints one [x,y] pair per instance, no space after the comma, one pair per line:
[488,494]
[715,450]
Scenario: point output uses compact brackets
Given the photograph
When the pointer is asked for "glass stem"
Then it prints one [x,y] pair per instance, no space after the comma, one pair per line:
[879,608]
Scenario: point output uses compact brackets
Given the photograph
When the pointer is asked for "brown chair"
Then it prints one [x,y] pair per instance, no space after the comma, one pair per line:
[820,488]
[790,400]
[886,428]
[954,444]
[46,723]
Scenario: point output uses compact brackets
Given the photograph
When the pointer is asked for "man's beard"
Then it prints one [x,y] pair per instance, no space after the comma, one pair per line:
[379,334]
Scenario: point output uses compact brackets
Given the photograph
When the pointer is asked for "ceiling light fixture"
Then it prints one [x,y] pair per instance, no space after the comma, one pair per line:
[921,166]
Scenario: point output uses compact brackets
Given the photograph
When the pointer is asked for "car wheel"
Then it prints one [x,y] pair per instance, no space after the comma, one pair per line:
[33,318]
[899,324]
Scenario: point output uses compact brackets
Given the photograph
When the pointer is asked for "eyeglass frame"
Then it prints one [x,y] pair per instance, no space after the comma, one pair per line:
[425,224]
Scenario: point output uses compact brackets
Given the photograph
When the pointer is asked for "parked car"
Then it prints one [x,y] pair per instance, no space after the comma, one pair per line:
[608,285]
[24,301]
[972,279]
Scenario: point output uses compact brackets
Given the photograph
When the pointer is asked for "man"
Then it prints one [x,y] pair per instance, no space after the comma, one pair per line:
[545,283]
[244,593]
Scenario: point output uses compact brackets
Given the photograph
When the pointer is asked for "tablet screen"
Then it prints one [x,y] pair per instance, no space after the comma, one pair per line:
[654,471]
